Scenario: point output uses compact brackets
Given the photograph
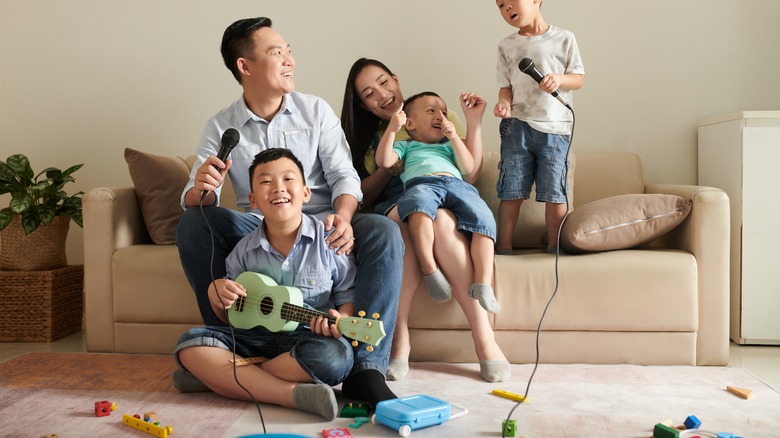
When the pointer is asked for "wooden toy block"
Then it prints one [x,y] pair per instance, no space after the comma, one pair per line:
[102,408]
[151,417]
[509,395]
[663,431]
[136,422]
[510,428]
[340,432]
[742,392]
[692,422]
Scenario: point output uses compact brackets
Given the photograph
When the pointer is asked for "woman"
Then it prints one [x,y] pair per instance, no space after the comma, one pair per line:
[372,94]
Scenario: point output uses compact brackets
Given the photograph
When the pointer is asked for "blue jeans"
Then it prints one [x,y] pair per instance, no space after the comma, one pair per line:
[325,359]
[378,253]
[529,156]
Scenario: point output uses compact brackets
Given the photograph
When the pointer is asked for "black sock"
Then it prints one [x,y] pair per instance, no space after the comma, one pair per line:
[367,385]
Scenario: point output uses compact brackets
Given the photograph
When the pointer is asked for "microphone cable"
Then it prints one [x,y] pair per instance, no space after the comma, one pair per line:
[232,330]
[557,280]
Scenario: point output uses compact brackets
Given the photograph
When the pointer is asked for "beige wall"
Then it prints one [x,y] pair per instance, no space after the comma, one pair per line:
[81,80]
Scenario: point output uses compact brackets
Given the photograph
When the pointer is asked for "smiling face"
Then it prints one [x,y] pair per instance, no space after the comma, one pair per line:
[379,91]
[279,191]
[270,66]
[424,118]
[519,13]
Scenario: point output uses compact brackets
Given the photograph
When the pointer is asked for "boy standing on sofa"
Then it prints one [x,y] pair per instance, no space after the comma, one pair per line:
[536,128]
[289,247]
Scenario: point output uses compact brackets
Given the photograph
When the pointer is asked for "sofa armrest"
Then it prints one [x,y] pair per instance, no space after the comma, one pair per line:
[112,220]
[705,234]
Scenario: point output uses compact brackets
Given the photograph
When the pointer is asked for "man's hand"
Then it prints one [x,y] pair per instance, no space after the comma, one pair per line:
[321,326]
[341,237]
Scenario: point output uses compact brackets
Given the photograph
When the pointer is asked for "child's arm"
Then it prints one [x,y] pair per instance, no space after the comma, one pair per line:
[554,81]
[473,107]
[503,108]
[463,158]
[385,157]
[228,291]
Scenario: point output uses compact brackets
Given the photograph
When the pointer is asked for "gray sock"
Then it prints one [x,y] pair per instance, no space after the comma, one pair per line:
[438,287]
[316,398]
[495,370]
[397,369]
[184,381]
[484,293]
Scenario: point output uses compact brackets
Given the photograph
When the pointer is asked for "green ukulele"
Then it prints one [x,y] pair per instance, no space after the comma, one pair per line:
[280,308]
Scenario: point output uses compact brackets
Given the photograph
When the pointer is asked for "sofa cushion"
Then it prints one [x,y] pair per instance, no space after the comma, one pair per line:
[158,182]
[620,222]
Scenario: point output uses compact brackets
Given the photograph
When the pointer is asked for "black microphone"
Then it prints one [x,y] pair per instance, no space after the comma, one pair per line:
[229,140]
[528,67]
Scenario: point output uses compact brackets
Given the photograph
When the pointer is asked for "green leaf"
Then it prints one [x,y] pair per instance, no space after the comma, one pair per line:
[5,218]
[20,165]
[30,222]
[20,204]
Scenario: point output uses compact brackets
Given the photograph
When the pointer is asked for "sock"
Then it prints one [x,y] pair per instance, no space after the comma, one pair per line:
[484,293]
[397,369]
[495,370]
[316,398]
[184,381]
[438,287]
[368,385]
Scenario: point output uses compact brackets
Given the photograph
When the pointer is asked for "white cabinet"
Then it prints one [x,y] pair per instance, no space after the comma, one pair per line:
[740,153]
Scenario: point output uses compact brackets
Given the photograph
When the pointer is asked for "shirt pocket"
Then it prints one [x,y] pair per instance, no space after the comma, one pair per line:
[315,287]
[301,142]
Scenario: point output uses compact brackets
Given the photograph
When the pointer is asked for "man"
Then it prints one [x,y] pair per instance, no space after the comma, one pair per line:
[272,114]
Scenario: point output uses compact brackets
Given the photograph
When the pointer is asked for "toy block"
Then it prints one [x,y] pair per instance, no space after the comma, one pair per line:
[509,395]
[726,435]
[668,423]
[509,428]
[742,392]
[692,422]
[353,410]
[102,408]
[359,421]
[136,422]
[326,433]
[663,431]
[151,417]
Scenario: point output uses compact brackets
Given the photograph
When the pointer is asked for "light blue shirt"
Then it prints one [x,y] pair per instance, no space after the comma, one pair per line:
[426,158]
[307,126]
[326,279]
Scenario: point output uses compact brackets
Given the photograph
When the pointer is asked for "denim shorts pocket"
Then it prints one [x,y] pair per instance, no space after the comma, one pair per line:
[504,127]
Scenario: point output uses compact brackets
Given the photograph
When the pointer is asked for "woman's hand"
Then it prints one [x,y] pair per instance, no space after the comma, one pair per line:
[473,105]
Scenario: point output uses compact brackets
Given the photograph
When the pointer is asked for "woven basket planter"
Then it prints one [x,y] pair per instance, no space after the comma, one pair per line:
[41,250]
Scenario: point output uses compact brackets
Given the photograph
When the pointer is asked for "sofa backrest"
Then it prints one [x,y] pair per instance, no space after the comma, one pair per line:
[592,175]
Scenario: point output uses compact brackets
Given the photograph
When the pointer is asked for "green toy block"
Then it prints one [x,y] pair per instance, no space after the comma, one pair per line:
[354,410]
[663,431]
[509,429]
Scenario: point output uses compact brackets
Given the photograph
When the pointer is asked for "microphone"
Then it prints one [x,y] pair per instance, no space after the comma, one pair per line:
[229,140]
[528,67]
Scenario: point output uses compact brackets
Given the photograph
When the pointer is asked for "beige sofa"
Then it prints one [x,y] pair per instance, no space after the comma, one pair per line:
[666,303]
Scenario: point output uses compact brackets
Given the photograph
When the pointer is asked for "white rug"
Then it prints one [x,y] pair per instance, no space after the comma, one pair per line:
[565,401]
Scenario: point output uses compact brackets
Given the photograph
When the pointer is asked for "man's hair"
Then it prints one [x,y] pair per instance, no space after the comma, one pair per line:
[274,154]
[237,41]
[409,101]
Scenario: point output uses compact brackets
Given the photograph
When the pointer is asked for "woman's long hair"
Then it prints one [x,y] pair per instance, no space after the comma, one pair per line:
[359,124]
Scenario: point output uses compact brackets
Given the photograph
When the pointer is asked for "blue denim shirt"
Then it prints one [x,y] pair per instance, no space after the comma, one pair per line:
[307,126]
[326,280]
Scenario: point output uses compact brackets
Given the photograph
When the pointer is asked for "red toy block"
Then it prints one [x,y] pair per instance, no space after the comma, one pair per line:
[326,433]
[102,408]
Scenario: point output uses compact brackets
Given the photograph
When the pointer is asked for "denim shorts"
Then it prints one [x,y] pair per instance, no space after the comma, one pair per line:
[326,360]
[529,156]
[426,194]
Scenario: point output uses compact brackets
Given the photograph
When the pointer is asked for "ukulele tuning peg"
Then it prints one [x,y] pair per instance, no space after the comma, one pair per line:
[355,343]
[361,313]
[375,315]
[370,348]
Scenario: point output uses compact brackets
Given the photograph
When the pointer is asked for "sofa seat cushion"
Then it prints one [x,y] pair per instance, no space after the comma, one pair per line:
[150,286]
[629,290]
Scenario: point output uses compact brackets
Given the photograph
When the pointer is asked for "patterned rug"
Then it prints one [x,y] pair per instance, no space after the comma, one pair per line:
[45,393]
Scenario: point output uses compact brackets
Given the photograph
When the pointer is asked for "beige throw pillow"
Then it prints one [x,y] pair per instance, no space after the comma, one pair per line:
[158,182]
[621,222]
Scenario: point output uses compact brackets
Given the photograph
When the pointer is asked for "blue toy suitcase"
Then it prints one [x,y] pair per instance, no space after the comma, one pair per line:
[412,413]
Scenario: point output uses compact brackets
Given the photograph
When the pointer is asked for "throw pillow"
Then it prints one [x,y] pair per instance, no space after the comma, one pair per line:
[158,182]
[621,222]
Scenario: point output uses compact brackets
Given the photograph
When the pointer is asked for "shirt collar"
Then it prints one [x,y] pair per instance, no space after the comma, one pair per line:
[243,114]
[307,230]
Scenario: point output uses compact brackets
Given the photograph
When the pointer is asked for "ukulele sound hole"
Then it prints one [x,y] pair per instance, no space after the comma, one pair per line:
[266,305]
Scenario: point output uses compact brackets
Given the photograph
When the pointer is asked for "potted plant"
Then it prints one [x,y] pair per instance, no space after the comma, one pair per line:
[34,226]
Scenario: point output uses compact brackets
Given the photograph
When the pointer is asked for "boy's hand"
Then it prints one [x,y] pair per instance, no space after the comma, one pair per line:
[503,109]
[341,238]
[398,119]
[321,326]
[447,127]
[226,293]
[550,82]
[472,105]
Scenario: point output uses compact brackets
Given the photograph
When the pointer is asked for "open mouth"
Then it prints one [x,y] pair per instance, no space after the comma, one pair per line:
[387,103]
[280,201]
[513,16]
